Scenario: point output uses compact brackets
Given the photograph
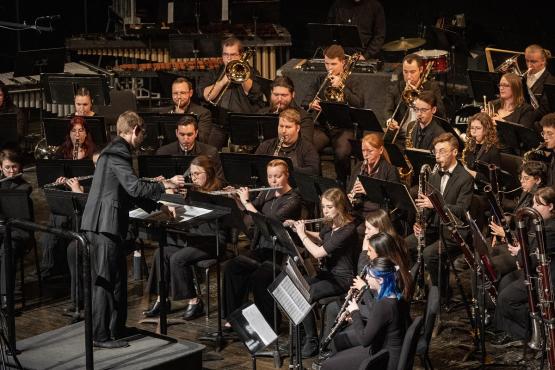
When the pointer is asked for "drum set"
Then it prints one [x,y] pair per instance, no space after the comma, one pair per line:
[440,59]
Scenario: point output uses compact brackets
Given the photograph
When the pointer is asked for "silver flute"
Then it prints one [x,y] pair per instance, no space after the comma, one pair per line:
[234,191]
[79,178]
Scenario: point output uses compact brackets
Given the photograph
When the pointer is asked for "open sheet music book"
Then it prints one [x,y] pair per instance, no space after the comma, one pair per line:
[184,213]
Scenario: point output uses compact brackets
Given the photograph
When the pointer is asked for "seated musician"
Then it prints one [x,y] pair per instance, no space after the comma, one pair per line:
[245,97]
[421,132]
[78,144]
[413,69]
[537,76]
[376,165]
[187,132]
[334,59]
[7,106]
[304,156]
[83,103]
[511,107]
[255,268]
[283,97]
[181,252]
[455,185]
[368,16]
[387,326]
[532,177]
[512,312]
[11,168]
[338,243]
[182,92]
[548,133]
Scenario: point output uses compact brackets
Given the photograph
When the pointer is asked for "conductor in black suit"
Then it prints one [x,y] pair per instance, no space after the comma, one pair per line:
[455,185]
[115,190]
[187,133]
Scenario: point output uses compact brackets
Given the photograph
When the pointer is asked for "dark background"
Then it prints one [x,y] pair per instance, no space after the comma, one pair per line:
[489,23]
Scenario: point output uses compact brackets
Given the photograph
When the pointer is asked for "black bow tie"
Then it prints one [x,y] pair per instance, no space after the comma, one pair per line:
[443,173]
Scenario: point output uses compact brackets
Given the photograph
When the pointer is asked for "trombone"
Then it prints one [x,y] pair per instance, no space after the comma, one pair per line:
[236,71]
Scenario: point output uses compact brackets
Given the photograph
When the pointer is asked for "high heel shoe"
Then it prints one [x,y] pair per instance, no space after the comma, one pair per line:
[155,309]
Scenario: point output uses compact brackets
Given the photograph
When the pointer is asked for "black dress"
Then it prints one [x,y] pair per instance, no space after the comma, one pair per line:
[510,141]
[386,329]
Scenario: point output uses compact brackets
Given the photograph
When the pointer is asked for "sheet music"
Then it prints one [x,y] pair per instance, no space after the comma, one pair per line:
[291,300]
[297,278]
[260,325]
[184,213]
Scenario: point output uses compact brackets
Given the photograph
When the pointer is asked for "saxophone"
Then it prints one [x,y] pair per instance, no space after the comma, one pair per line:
[337,93]
[278,147]
[535,151]
[76,147]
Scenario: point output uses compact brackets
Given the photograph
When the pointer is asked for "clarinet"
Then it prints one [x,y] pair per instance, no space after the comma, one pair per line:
[278,147]
[76,150]
[449,219]
[343,313]
[358,198]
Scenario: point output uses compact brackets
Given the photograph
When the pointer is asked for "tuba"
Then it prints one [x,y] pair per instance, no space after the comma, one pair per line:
[337,93]
[541,297]
[237,72]
[45,151]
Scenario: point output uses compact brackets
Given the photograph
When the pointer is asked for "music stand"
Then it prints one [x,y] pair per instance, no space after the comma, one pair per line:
[420,157]
[365,120]
[35,62]
[55,130]
[325,34]
[48,170]
[163,165]
[60,88]
[447,127]
[250,169]
[526,137]
[396,156]
[252,129]
[549,91]
[252,328]
[484,83]
[8,130]
[506,180]
[71,205]
[235,217]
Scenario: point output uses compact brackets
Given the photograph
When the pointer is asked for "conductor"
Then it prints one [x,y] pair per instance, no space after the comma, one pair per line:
[114,191]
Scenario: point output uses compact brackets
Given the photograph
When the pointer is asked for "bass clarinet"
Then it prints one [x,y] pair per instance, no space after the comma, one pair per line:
[423,177]
[543,296]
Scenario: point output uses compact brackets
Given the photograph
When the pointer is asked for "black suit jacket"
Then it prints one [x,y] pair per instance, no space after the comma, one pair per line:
[457,194]
[199,149]
[393,95]
[115,190]
[537,90]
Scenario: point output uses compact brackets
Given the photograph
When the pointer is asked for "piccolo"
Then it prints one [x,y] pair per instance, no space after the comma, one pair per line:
[234,191]
[79,178]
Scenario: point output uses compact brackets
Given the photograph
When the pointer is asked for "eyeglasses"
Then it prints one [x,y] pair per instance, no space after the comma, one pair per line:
[547,134]
[197,174]
[504,85]
[526,178]
[421,110]
[441,152]
[230,55]
[78,131]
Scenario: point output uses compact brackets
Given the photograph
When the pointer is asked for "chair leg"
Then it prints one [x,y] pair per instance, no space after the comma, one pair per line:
[207,280]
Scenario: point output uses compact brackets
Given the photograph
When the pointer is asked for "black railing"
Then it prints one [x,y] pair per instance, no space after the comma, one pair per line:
[7,225]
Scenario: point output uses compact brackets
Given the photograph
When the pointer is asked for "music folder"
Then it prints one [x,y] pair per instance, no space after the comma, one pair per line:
[252,129]
[420,157]
[392,195]
[250,169]
[527,137]
[253,329]
[48,170]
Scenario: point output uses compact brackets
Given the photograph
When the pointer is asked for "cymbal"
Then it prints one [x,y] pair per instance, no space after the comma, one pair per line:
[404,44]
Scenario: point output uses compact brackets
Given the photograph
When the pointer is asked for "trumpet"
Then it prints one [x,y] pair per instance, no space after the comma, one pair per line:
[78,178]
[253,190]
[488,107]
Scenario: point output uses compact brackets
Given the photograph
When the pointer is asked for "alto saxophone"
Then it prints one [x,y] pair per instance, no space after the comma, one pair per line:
[278,146]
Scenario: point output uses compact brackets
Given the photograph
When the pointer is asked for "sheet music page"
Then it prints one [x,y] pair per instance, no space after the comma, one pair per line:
[291,269]
[291,300]
[260,325]
[184,213]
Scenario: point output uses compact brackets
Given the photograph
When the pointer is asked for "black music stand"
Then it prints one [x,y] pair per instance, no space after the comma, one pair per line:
[549,92]
[163,165]
[55,130]
[250,169]
[71,205]
[60,88]
[8,130]
[160,127]
[505,179]
[396,156]
[253,330]
[484,83]
[325,34]
[48,170]
[365,119]
[311,188]
[35,62]
[447,127]
[252,129]
[420,157]
[357,119]
[527,138]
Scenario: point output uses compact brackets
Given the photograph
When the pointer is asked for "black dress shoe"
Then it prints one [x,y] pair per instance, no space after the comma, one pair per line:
[194,310]
[310,347]
[111,344]
[155,309]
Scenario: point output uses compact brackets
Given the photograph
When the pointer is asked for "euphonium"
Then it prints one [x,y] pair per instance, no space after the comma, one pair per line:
[236,71]
[528,155]
[337,93]
[45,151]
[510,65]
[543,296]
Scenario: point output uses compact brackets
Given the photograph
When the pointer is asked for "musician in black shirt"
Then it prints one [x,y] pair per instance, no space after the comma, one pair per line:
[548,134]
[302,153]
[338,243]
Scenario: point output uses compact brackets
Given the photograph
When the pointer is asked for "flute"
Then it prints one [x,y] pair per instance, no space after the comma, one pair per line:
[234,191]
[79,178]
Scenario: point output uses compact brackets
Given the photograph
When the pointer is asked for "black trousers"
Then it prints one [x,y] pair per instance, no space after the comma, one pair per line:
[54,247]
[252,272]
[75,272]
[178,270]
[341,147]
[512,313]
[109,276]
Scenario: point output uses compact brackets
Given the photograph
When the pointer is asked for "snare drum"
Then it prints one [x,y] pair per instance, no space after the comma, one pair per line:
[439,58]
